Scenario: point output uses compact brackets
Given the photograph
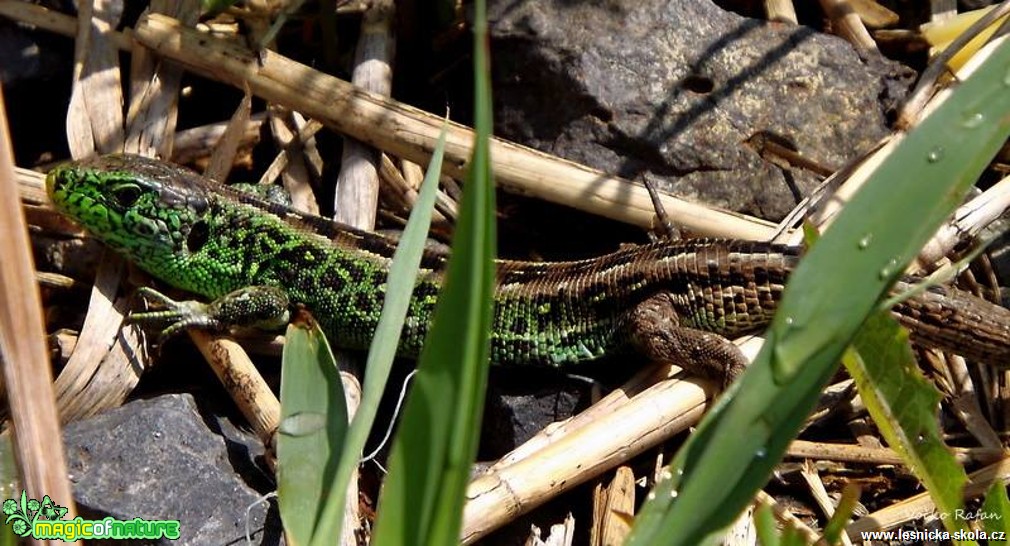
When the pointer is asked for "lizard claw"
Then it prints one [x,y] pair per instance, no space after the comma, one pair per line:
[261,307]
[179,314]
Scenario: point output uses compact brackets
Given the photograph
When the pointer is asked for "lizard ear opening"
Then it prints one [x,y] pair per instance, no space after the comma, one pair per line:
[198,236]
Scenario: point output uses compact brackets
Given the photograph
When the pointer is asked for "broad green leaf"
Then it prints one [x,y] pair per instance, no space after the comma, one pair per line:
[9,479]
[833,289]
[7,536]
[399,288]
[312,428]
[429,465]
[904,405]
[995,511]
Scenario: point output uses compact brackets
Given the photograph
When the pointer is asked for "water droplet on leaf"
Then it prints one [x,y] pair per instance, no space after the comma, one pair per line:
[972,120]
[888,269]
[302,424]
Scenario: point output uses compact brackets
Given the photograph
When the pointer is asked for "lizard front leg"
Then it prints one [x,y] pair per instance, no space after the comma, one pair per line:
[655,331]
[262,307]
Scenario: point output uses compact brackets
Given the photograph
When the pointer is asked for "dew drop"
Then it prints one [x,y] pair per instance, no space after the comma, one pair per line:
[651,495]
[674,493]
[888,269]
[935,155]
[972,120]
[864,243]
[302,424]
[761,453]
[789,321]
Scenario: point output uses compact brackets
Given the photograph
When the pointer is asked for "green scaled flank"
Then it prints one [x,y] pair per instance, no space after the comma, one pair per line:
[664,300]
[211,240]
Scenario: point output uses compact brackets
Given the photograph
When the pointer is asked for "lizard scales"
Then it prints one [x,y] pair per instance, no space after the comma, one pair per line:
[209,239]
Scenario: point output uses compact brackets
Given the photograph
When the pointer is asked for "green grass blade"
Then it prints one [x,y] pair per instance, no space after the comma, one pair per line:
[399,287]
[429,466]
[843,513]
[829,295]
[792,537]
[767,529]
[312,428]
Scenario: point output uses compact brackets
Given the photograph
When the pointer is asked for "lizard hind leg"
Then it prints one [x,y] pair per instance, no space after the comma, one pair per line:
[655,331]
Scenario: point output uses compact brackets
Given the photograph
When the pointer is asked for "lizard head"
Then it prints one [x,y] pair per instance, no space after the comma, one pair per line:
[140,207]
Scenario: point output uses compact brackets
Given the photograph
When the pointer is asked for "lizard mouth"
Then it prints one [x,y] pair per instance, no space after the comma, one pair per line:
[51,183]
[57,182]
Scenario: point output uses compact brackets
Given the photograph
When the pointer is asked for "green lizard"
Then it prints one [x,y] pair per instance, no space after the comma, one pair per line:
[668,300]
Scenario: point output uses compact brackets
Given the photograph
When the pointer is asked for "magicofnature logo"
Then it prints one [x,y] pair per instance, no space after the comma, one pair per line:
[44,520]
[22,516]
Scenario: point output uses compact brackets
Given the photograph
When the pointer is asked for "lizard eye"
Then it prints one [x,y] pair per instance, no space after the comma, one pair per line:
[126,195]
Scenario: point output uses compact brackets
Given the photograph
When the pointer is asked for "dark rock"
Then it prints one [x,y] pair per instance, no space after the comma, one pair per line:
[161,459]
[521,402]
[681,91]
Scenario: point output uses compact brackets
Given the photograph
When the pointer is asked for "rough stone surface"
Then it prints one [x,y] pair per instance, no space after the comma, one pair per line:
[519,405]
[162,459]
[681,91]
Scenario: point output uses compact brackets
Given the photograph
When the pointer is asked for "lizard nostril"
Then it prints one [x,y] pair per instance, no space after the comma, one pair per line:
[198,203]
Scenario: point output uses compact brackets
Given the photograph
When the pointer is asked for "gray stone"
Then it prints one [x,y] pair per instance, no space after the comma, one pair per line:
[521,402]
[160,459]
[678,91]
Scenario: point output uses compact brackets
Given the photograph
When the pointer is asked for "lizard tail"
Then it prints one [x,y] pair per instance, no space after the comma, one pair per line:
[958,322]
